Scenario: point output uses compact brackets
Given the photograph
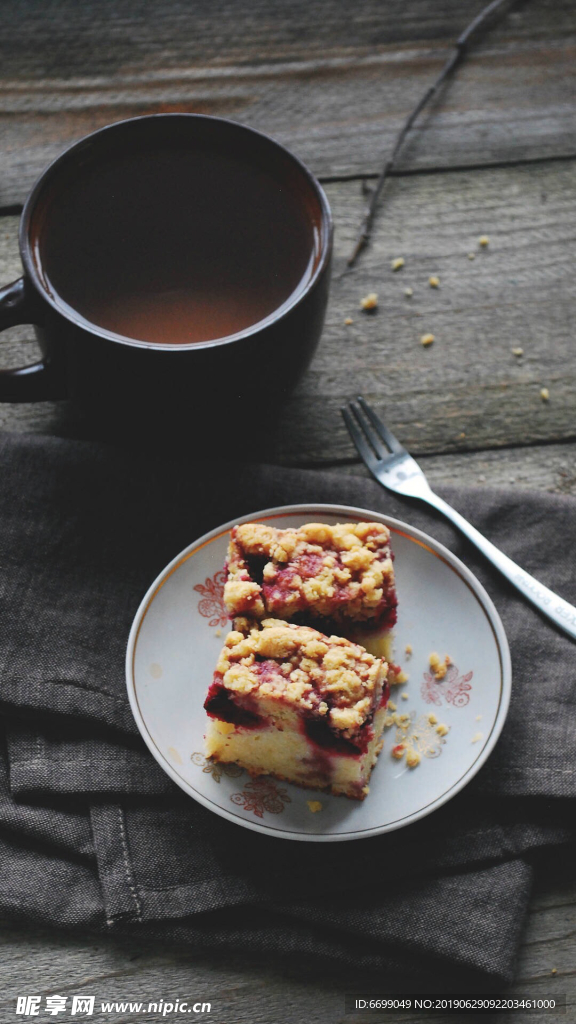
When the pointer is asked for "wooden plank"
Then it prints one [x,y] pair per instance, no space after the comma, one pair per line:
[467,391]
[333,87]
[40,961]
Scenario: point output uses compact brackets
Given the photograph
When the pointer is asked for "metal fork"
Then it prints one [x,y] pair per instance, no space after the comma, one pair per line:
[396,470]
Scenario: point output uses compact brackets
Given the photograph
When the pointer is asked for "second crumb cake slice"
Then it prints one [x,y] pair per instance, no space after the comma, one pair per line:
[337,575]
[288,701]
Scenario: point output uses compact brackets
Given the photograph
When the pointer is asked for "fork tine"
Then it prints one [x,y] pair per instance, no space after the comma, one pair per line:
[364,450]
[384,432]
[370,434]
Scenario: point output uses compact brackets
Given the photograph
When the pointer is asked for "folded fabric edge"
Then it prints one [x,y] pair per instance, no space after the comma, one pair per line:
[442,917]
[128,895]
[68,701]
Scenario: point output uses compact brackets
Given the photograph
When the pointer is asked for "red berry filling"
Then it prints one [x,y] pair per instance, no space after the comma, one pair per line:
[219,704]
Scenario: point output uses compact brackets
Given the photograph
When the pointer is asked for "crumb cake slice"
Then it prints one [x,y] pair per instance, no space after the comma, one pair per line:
[316,574]
[288,701]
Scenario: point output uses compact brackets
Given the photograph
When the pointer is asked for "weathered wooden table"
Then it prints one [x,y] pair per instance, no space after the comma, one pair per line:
[494,155]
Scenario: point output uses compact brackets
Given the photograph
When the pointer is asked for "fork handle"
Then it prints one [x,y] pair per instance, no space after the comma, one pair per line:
[556,608]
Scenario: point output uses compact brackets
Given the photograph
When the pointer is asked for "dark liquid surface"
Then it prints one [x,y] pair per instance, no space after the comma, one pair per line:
[175,246]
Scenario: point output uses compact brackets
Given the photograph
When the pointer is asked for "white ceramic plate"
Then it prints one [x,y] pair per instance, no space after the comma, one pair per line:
[179,630]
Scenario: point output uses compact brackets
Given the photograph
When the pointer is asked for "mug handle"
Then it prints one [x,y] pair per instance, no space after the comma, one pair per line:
[39,381]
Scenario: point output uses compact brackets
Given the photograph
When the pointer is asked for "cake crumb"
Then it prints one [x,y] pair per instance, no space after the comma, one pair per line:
[442,729]
[314,806]
[408,649]
[398,751]
[518,351]
[402,677]
[408,293]
[439,668]
[554,970]
[471,255]
[434,281]
[426,339]
[397,263]
[218,633]
[483,241]
[477,737]
[348,321]
[478,718]
[404,696]
[432,718]
[391,706]
[369,301]
[412,758]
[544,394]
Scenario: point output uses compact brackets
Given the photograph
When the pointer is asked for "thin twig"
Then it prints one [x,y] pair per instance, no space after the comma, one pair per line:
[460,49]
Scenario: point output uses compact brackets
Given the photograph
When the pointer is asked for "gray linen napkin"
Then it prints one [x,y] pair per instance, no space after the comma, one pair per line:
[448,902]
[84,529]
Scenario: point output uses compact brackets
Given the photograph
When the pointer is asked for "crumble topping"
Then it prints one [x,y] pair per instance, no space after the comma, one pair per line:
[369,301]
[337,572]
[412,756]
[326,677]
[314,806]
[415,737]
[439,667]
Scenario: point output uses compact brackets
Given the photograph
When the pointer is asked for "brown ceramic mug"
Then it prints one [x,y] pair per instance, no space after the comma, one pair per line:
[169,258]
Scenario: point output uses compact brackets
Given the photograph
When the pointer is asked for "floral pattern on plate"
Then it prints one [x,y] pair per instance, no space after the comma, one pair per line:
[215,768]
[419,733]
[211,605]
[453,689]
[262,794]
